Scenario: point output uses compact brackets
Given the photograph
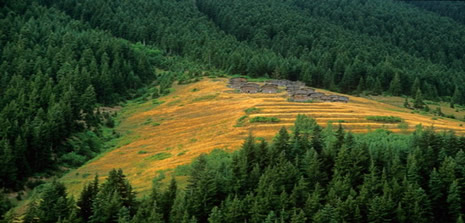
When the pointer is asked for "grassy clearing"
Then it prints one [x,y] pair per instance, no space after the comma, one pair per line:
[385,119]
[157,102]
[458,112]
[252,110]
[264,119]
[159,156]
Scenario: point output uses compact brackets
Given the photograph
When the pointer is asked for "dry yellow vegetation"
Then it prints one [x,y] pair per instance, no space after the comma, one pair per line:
[200,117]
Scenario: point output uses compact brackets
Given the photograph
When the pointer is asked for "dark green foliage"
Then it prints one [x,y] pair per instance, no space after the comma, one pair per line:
[374,177]
[53,205]
[113,195]
[418,101]
[406,103]
[86,199]
[60,60]
[54,72]
[387,119]
[240,121]
[252,110]
[395,88]
[263,119]
[5,204]
[322,43]
[456,98]
[454,201]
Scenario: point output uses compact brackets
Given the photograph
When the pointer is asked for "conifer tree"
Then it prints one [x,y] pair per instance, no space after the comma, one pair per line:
[455,99]
[168,199]
[395,88]
[377,88]
[460,219]
[454,201]
[54,205]
[418,102]
[415,87]
[87,197]
[361,86]
[298,216]
[7,165]
[216,216]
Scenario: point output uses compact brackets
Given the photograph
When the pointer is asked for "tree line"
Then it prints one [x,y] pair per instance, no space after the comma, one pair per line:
[309,174]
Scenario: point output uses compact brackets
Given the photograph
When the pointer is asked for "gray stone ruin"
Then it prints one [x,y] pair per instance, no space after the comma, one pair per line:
[237,82]
[296,90]
[269,88]
[250,88]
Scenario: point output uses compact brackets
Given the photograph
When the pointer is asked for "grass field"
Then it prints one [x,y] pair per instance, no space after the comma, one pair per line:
[200,117]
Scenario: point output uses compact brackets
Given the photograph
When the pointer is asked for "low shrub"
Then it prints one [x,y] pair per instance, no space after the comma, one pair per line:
[264,119]
[252,110]
[240,121]
[385,119]
[159,156]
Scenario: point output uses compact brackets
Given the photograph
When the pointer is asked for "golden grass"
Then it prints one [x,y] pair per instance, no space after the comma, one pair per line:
[196,122]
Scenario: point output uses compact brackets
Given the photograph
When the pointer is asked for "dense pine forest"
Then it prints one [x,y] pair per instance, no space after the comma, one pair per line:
[62,61]
[331,44]
[54,71]
[307,175]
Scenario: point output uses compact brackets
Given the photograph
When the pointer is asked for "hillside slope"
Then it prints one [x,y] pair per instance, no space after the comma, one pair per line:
[200,117]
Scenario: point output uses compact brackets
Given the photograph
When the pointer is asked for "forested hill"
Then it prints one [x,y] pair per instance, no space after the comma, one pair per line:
[54,71]
[60,58]
[452,9]
[336,44]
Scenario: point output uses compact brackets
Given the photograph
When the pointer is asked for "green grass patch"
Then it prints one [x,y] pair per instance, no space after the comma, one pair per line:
[385,119]
[182,170]
[85,175]
[260,79]
[193,140]
[206,97]
[240,121]
[142,152]
[148,121]
[403,126]
[252,110]
[175,102]
[264,119]
[182,153]
[157,102]
[159,156]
